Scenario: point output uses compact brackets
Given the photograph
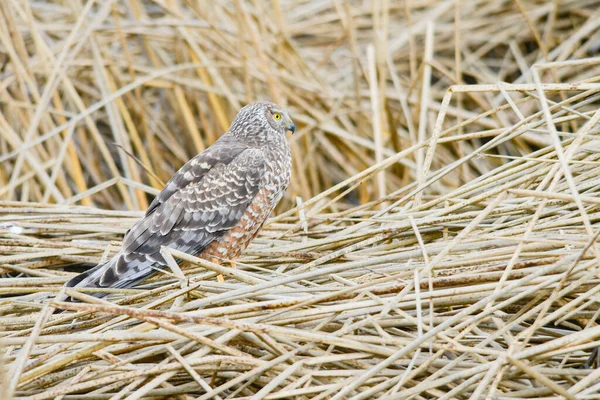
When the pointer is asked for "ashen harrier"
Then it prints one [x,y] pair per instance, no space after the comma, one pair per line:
[214,205]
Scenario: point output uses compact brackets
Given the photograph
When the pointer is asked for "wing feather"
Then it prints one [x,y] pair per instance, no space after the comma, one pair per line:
[221,152]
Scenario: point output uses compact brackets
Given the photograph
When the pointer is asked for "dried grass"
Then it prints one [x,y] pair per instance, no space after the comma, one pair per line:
[438,240]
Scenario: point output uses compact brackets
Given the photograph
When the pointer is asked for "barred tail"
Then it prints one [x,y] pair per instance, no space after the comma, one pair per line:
[114,273]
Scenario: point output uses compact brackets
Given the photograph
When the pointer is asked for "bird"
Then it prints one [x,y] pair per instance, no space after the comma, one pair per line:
[213,206]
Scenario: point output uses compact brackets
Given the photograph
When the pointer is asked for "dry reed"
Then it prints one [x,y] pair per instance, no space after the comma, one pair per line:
[438,240]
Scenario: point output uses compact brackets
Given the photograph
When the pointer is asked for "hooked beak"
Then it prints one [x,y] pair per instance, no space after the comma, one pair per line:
[291,127]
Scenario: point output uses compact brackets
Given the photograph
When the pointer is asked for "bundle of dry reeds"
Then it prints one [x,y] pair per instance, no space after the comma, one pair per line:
[438,241]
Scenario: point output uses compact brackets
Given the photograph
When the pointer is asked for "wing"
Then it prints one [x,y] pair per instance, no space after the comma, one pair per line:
[202,210]
[186,218]
[221,152]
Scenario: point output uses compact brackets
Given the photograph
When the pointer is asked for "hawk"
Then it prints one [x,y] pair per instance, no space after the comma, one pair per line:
[214,206]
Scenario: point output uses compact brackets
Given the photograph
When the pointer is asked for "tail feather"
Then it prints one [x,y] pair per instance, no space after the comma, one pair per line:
[76,280]
[114,273]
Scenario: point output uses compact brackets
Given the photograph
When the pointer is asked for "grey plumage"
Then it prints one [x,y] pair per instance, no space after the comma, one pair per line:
[216,202]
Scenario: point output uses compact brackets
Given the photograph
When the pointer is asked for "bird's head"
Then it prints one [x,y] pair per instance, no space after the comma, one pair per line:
[262,121]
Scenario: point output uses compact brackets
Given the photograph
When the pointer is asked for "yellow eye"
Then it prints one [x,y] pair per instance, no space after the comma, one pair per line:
[276,116]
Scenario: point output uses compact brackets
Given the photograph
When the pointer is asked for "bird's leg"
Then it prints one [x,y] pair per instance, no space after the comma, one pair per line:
[220,276]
